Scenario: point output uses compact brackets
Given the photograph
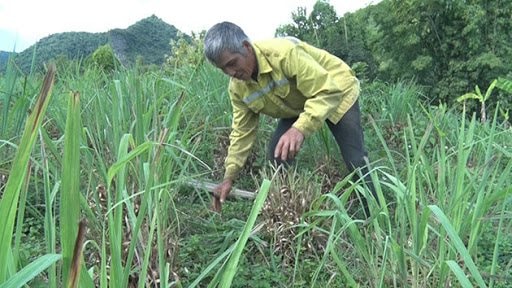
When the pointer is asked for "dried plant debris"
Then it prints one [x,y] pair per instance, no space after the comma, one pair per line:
[291,196]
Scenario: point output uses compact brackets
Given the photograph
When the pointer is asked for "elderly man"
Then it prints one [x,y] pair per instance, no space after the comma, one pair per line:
[288,79]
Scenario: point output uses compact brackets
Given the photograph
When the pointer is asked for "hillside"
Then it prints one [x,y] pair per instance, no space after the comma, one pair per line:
[148,38]
[4,56]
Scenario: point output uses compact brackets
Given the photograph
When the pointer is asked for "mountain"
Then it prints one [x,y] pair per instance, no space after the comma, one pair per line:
[148,38]
[4,57]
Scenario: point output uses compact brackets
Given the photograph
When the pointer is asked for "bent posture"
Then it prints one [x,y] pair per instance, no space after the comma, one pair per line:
[285,78]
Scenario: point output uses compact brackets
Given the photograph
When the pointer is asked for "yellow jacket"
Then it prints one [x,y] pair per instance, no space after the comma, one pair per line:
[294,79]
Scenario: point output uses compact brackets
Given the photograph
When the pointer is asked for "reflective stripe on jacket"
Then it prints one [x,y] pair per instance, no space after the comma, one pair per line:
[294,79]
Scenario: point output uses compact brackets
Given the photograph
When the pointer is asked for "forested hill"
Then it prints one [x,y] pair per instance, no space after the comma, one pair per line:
[3,58]
[147,39]
[447,47]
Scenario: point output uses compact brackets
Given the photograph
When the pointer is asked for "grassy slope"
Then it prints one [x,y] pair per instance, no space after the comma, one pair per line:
[422,157]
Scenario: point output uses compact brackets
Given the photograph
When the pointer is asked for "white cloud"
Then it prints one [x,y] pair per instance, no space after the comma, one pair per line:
[25,21]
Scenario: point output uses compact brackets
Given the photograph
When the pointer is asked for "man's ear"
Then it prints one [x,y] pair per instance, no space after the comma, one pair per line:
[248,47]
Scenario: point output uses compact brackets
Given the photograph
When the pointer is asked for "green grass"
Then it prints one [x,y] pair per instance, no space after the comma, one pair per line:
[119,154]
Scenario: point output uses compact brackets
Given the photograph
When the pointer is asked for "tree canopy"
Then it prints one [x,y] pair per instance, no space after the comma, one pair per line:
[446,46]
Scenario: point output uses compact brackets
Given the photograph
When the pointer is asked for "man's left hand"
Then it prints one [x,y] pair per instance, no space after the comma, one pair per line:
[289,144]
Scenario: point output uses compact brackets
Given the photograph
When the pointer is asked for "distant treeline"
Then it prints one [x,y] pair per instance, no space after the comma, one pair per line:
[446,46]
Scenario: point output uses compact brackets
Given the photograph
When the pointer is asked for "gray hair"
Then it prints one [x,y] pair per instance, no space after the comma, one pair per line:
[224,36]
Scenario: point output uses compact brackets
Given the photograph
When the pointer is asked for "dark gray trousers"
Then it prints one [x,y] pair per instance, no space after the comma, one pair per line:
[348,134]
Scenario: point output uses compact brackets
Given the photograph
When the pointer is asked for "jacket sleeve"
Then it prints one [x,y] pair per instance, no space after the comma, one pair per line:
[243,134]
[317,85]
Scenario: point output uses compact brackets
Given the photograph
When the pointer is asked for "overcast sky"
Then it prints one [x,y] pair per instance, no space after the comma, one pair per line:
[24,22]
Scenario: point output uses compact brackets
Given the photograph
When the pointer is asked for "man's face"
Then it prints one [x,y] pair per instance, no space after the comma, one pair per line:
[237,65]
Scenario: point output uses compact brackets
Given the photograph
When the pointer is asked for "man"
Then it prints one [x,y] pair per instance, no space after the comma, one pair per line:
[288,79]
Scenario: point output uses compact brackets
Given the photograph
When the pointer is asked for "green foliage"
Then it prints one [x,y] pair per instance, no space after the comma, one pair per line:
[229,270]
[505,84]
[144,133]
[30,271]
[477,95]
[443,182]
[318,28]
[460,247]
[345,37]
[18,177]
[447,46]
[186,50]
[70,192]
[4,57]
[105,58]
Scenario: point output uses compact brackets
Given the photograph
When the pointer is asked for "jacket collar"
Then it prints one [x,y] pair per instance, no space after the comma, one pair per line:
[263,65]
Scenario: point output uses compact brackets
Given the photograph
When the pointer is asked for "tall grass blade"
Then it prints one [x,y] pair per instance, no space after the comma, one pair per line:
[20,217]
[121,163]
[10,77]
[232,265]
[145,264]
[212,265]
[459,245]
[342,265]
[118,274]
[49,222]
[70,193]
[463,279]
[115,217]
[31,270]
[76,261]
[499,240]
[18,171]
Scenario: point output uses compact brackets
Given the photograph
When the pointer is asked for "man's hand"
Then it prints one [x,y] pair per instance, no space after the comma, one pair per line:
[289,144]
[220,193]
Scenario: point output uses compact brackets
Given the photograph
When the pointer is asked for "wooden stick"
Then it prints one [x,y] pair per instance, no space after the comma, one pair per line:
[209,186]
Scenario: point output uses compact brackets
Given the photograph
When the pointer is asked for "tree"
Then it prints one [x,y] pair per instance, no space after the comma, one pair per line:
[300,28]
[447,46]
[345,37]
[319,28]
[105,59]
[186,50]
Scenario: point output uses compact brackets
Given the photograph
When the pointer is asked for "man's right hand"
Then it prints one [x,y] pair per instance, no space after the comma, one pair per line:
[220,193]
[289,144]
